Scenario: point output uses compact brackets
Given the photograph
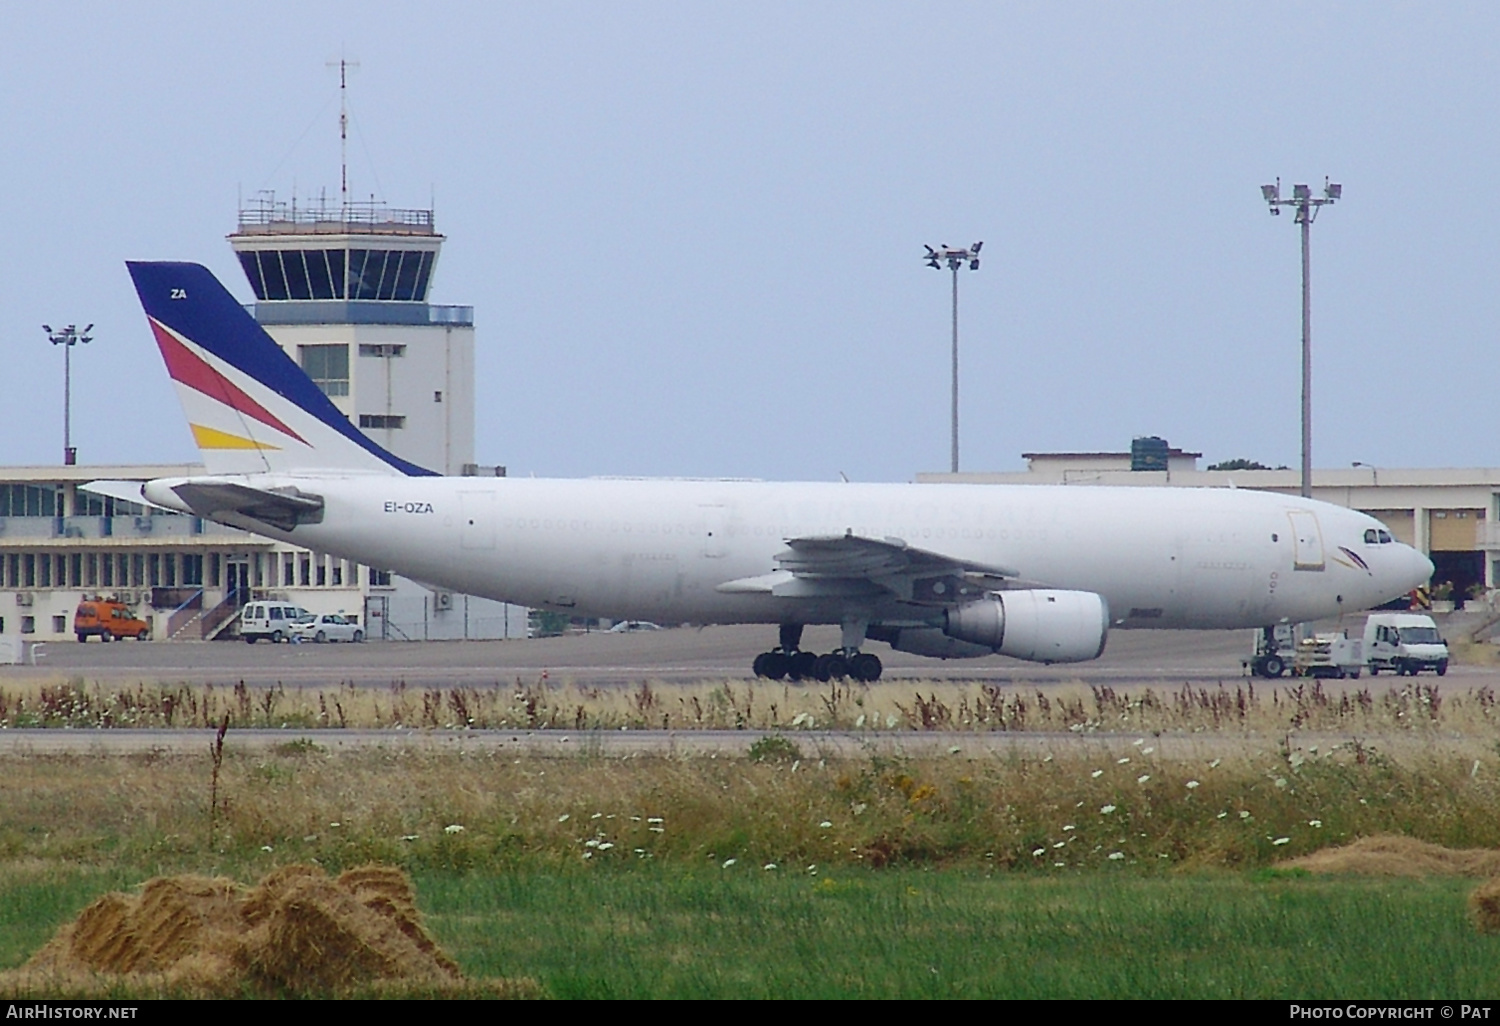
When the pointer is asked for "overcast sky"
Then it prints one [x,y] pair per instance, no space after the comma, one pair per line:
[691,231]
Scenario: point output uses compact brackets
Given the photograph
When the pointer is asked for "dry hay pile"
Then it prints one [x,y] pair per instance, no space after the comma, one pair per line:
[296,932]
[1393,855]
[1484,906]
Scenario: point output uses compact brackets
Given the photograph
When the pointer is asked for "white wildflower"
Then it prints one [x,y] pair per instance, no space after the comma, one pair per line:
[1105,810]
[1215,764]
[729,862]
[1192,785]
[1143,778]
[1282,840]
[453,828]
[1116,856]
[1097,774]
[1317,823]
[564,817]
[1040,852]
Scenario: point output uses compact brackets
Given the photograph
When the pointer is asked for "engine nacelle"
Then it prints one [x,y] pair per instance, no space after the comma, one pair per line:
[928,641]
[1042,626]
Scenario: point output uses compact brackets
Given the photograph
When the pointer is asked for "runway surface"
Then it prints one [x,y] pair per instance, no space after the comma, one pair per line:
[679,655]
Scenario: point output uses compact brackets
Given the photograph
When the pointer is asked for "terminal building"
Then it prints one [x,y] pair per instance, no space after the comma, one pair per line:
[344,291]
[1449,514]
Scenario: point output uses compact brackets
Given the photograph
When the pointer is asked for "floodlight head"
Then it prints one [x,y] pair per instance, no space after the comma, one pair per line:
[1272,193]
[1333,190]
[973,265]
[1301,192]
[934,264]
[47,328]
[978,246]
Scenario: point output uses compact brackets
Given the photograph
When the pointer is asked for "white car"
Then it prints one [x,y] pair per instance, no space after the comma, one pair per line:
[630,626]
[327,627]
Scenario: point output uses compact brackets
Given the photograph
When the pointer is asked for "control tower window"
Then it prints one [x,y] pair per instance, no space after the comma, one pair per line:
[270,272]
[296,275]
[328,366]
[252,271]
[399,275]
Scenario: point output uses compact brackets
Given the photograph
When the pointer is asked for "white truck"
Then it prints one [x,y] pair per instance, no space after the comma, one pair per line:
[1406,643]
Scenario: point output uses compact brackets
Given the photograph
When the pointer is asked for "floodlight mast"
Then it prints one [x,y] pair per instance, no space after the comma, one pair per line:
[68,338]
[955,258]
[1306,205]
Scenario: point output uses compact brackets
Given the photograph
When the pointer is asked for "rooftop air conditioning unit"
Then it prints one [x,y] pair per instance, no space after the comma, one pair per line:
[23,598]
[442,600]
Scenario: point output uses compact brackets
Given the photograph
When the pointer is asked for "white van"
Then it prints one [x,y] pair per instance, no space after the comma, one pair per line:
[1407,643]
[271,620]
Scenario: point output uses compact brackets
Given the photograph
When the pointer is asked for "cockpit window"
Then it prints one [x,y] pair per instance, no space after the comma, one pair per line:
[1385,537]
[1371,537]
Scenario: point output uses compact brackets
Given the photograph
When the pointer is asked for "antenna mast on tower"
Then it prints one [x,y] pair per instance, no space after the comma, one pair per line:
[344,66]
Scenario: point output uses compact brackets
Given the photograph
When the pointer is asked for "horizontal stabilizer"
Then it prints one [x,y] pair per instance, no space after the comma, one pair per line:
[123,491]
[231,503]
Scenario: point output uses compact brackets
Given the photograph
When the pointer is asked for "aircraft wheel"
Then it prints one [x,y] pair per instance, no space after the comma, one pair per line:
[758,667]
[1274,666]
[830,667]
[866,667]
[802,665]
[776,665]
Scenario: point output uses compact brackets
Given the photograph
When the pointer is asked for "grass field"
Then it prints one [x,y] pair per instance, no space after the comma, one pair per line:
[1078,873]
[650,931]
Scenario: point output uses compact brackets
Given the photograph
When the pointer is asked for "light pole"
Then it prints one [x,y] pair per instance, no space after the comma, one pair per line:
[68,338]
[1306,206]
[954,258]
[1374,472]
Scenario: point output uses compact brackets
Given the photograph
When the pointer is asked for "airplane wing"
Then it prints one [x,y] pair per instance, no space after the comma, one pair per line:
[851,565]
[245,507]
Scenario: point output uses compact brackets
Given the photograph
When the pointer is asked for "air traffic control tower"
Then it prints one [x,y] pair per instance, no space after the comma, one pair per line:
[343,288]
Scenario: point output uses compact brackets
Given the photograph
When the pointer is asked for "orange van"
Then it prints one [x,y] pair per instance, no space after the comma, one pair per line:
[109,620]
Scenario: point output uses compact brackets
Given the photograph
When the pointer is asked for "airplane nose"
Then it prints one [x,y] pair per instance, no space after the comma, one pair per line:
[1421,568]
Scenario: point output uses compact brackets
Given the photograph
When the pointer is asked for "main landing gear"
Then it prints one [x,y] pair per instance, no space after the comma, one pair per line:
[790,662]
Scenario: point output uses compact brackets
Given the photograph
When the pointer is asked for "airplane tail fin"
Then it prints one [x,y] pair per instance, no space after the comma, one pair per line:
[252,410]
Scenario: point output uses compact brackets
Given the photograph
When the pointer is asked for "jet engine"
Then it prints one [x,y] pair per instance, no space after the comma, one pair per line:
[1043,626]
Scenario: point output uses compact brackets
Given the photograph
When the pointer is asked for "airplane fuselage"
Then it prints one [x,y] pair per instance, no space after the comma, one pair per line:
[661,549]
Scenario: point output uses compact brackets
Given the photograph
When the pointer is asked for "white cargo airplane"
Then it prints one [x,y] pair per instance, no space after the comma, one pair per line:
[949,571]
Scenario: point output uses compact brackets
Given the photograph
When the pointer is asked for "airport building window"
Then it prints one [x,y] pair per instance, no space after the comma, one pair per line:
[380,578]
[154,561]
[338,573]
[305,576]
[381,420]
[137,570]
[382,349]
[23,500]
[107,570]
[45,577]
[28,576]
[59,625]
[328,366]
[192,569]
[28,625]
